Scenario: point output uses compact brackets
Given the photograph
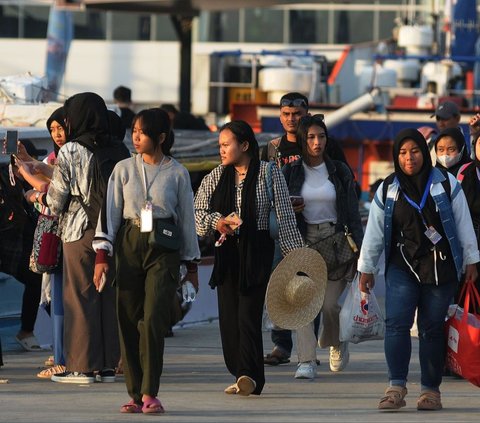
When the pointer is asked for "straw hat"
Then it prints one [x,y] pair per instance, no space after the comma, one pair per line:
[296,289]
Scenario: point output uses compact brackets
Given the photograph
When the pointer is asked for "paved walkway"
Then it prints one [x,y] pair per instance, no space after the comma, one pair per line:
[194,379]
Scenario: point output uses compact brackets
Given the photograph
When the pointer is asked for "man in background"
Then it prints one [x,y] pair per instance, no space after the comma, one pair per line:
[283,150]
[123,99]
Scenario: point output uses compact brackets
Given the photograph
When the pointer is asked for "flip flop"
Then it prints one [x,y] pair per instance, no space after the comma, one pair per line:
[131,408]
[29,343]
[153,406]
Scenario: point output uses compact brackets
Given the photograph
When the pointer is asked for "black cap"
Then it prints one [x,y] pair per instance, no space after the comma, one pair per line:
[447,110]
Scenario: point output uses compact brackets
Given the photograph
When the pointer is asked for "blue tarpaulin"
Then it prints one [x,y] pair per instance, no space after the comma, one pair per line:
[464,28]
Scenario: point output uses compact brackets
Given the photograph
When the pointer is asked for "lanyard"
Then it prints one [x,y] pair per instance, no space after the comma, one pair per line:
[419,207]
[145,188]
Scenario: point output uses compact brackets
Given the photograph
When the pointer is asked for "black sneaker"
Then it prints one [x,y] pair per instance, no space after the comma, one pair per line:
[106,376]
[73,377]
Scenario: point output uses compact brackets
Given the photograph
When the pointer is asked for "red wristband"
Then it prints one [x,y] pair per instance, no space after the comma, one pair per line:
[191,267]
[101,257]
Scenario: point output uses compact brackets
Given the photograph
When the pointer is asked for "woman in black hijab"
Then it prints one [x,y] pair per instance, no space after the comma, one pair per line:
[451,150]
[411,219]
[90,334]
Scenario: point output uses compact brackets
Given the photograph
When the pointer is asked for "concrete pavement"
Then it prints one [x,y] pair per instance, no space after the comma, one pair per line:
[195,376]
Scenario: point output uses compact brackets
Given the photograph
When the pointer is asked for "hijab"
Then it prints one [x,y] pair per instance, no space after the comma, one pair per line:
[471,187]
[87,119]
[412,185]
[457,135]
[59,117]
[115,123]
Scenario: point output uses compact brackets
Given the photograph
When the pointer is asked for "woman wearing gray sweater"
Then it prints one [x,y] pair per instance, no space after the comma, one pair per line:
[148,224]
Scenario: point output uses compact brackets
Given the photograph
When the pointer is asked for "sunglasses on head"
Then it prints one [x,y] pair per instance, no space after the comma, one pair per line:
[298,102]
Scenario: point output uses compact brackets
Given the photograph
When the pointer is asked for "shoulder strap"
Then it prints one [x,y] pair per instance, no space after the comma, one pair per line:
[447,187]
[460,174]
[386,184]
[269,182]
[273,146]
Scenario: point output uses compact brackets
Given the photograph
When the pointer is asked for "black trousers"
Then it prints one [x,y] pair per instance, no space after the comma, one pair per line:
[240,316]
[32,281]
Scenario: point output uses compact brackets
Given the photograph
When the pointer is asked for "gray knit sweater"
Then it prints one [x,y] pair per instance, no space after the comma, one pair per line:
[170,193]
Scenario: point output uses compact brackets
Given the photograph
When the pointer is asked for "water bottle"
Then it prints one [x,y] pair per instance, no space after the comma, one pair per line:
[188,292]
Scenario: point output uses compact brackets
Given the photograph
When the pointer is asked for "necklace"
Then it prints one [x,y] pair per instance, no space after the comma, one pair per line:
[241,173]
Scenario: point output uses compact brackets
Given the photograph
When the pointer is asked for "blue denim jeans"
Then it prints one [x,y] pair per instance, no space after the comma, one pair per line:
[403,295]
[56,313]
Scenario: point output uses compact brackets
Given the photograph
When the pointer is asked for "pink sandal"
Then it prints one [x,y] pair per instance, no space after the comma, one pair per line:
[131,407]
[153,406]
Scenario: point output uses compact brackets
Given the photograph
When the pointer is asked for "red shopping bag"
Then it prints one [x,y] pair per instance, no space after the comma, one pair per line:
[463,336]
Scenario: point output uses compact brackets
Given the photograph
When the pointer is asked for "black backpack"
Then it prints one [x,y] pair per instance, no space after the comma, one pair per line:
[104,159]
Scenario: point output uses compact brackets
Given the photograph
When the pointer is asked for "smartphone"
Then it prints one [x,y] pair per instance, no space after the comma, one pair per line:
[234,217]
[296,200]
[11,142]
[103,281]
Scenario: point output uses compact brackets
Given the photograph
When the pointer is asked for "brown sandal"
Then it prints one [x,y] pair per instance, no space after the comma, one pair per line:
[48,373]
[393,399]
[276,358]
[429,401]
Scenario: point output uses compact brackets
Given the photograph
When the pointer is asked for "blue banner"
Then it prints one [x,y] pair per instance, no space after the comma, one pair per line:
[464,28]
[59,37]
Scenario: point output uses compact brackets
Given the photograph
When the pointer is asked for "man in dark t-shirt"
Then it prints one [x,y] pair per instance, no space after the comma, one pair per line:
[283,150]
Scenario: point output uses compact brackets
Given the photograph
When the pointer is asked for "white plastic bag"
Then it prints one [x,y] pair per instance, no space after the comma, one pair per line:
[360,317]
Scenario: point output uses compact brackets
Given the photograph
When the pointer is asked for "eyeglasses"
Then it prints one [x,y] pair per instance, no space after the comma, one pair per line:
[298,102]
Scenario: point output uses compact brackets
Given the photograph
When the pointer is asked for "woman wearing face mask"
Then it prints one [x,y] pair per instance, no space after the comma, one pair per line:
[451,150]
[420,218]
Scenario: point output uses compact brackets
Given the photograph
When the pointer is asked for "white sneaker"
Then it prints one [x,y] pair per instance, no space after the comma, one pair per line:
[306,370]
[339,357]
[73,377]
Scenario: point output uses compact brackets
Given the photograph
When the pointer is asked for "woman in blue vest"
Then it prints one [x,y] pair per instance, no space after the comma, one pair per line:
[425,255]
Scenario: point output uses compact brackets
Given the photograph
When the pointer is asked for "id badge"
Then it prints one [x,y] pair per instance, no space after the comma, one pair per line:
[146,217]
[433,235]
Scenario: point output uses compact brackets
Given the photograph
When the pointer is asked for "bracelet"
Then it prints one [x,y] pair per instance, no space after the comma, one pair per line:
[191,266]
[37,195]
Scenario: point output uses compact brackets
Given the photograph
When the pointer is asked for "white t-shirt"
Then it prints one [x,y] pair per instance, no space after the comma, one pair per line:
[319,195]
